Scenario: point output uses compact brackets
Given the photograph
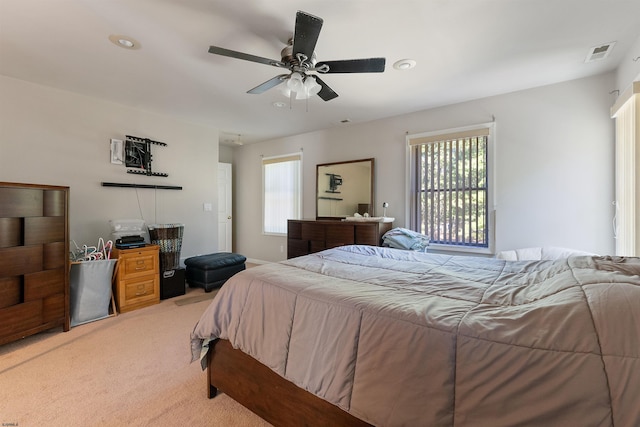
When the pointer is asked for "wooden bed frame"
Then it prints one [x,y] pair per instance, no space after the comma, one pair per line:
[266,393]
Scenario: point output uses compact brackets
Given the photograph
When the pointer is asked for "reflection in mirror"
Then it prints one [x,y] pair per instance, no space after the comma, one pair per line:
[344,188]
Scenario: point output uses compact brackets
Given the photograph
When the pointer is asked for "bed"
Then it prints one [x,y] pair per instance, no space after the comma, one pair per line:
[363,335]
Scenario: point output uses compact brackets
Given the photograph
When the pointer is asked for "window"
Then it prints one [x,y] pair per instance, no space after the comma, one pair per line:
[282,192]
[449,184]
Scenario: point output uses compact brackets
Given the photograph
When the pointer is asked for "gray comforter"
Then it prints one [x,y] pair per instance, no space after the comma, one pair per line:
[400,338]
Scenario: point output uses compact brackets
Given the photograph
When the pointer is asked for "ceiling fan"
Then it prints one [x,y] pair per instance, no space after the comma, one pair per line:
[300,59]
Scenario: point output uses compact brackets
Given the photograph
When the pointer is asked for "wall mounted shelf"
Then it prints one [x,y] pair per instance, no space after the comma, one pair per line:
[157,187]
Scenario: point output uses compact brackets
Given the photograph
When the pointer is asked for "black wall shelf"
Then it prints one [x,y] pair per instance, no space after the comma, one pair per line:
[157,187]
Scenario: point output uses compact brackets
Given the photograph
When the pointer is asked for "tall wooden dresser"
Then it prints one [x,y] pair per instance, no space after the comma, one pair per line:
[309,236]
[34,259]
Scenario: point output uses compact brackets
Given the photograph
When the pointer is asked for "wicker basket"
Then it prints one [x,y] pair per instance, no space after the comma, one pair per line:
[169,238]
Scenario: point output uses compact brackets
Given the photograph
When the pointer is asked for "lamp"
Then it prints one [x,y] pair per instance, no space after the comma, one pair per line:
[302,85]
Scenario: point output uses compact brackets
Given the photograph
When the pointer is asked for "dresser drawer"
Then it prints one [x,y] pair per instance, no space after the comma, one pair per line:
[311,231]
[296,248]
[367,236]
[137,291]
[137,265]
[339,235]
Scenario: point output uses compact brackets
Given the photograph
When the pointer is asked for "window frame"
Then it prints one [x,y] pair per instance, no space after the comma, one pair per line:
[411,191]
[267,160]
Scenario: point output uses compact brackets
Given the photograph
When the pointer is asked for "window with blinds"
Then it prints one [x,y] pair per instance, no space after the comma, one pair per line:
[282,192]
[450,187]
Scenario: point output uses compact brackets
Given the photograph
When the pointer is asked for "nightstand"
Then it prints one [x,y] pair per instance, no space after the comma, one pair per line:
[137,280]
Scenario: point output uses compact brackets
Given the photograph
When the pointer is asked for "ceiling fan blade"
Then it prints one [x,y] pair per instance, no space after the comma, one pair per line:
[367,65]
[268,84]
[247,57]
[326,93]
[306,34]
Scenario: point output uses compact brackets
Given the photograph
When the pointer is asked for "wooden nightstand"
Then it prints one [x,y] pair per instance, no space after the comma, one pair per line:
[137,281]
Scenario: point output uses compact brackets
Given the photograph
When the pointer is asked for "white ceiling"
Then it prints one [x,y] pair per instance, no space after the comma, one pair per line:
[465,49]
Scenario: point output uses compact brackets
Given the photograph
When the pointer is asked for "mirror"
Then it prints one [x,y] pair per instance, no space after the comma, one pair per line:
[344,188]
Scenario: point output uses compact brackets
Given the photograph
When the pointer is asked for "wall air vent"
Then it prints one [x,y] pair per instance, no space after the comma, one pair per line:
[600,52]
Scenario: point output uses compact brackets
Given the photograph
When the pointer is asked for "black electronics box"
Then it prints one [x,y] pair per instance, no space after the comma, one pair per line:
[130,242]
[130,245]
[172,283]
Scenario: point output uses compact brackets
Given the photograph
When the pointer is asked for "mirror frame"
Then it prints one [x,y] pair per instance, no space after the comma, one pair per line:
[372,183]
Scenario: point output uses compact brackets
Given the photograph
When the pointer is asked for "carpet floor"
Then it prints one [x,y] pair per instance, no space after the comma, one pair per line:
[133,369]
[196,298]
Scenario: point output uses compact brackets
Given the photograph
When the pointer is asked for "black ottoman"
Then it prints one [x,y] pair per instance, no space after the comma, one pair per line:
[211,271]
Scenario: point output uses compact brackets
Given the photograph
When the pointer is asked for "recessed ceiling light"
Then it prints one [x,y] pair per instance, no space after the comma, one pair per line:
[279,104]
[124,41]
[404,64]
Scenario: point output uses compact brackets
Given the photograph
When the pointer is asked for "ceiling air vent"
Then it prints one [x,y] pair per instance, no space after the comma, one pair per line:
[600,52]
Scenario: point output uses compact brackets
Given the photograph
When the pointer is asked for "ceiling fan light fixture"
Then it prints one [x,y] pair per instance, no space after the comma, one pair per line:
[311,86]
[301,86]
[286,91]
[295,83]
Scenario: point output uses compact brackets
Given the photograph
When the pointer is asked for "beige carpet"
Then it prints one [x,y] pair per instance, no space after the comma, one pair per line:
[129,370]
[196,298]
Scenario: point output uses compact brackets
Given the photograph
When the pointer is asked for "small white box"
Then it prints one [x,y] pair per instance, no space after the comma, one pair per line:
[128,227]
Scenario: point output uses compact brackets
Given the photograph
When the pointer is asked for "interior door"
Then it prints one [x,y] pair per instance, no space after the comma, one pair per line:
[224,208]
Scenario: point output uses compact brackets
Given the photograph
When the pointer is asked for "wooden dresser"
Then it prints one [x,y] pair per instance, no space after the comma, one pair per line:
[137,282]
[309,236]
[34,259]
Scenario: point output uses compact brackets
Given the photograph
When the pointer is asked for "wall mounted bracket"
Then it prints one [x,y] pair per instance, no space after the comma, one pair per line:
[138,155]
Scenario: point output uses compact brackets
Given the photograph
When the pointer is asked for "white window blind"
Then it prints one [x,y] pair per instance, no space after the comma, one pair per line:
[450,184]
[627,152]
[282,191]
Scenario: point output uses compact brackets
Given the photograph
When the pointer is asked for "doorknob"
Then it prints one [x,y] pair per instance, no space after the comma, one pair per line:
[229,217]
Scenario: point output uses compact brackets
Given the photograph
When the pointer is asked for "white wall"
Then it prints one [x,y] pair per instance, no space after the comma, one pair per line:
[554,167]
[554,164]
[48,136]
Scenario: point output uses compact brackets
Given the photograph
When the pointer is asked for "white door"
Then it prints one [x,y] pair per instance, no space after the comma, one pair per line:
[224,208]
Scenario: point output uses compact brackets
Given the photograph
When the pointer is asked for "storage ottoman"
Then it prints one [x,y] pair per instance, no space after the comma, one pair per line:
[211,271]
